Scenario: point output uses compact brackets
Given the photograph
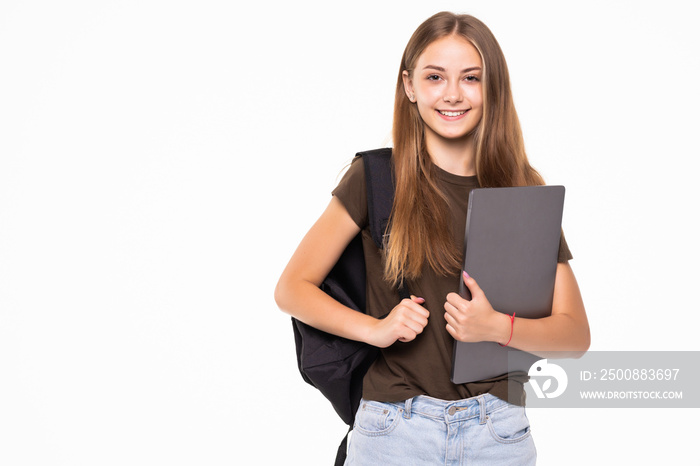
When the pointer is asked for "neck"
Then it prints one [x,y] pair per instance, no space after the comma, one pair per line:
[454,156]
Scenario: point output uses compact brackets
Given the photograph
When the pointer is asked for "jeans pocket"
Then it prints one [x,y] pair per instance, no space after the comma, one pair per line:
[509,424]
[376,418]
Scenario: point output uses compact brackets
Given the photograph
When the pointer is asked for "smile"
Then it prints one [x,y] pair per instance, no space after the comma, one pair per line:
[452,114]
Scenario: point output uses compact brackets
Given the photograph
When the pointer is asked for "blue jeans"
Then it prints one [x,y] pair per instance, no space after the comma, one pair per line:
[483,430]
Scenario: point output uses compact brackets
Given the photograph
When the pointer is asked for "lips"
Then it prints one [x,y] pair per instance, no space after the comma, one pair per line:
[452,115]
[455,113]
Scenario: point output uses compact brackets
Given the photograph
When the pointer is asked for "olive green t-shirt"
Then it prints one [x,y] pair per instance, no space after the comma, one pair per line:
[421,366]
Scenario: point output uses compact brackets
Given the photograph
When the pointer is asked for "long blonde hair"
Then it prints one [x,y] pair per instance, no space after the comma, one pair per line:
[419,220]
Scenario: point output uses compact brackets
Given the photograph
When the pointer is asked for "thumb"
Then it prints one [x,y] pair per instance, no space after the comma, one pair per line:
[417,299]
[473,286]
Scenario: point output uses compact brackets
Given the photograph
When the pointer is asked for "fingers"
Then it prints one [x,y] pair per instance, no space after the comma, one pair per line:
[469,320]
[451,324]
[452,331]
[455,311]
[416,299]
[410,318]
[405,321]
[415,312]
[455,302]
[457,319]
[415,304]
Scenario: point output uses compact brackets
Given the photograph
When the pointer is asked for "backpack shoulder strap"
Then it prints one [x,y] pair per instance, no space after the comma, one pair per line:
[380,191]
[379,176]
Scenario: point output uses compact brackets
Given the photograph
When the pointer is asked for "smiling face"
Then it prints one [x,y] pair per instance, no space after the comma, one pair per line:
[446,87]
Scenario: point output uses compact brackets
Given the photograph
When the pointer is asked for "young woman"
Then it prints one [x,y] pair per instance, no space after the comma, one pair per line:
[455,128]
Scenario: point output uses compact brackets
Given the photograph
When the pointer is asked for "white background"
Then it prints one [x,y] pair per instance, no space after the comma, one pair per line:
[160,161]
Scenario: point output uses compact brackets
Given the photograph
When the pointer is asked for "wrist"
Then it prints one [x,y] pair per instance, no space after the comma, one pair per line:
[369,328]
[504,327]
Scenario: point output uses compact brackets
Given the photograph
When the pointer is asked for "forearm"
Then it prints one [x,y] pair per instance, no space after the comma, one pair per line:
[308,303]
[557,333]
[565,331]
[298,293]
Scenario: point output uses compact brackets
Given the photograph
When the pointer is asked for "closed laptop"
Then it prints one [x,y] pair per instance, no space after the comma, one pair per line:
[511,249]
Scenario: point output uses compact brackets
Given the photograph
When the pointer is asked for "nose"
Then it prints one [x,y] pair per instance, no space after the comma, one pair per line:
[453,93]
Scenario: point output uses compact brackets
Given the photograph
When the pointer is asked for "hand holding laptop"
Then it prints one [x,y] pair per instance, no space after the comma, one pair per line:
[475,320]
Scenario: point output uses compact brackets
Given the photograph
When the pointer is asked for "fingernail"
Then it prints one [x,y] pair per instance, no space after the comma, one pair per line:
[466,275]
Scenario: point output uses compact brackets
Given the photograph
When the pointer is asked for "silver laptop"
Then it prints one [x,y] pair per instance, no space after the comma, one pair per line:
[512,245]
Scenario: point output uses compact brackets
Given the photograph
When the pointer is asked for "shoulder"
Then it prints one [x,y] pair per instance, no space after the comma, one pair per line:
[353,178]
[351,191]
[369,169]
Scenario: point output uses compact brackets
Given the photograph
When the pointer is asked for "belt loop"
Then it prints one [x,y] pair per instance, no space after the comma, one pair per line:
[482,409]
[407,408]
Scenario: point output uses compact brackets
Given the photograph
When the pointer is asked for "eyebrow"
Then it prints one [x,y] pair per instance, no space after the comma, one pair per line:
[439,68]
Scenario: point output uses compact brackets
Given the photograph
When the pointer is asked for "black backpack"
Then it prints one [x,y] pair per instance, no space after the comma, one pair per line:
[335,365]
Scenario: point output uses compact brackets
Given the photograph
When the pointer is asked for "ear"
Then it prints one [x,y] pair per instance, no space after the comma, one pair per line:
[408,86]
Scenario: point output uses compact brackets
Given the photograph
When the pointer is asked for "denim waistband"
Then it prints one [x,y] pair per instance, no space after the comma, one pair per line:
[452,411]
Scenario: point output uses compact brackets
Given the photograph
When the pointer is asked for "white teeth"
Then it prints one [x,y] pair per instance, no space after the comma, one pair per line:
[452,114]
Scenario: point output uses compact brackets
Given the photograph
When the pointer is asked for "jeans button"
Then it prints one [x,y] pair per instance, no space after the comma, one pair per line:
[452,410]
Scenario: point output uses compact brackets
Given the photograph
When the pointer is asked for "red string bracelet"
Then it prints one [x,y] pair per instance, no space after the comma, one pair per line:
[512,319]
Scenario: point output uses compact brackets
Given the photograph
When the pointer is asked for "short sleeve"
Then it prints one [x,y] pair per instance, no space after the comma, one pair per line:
[352,192]
[564,252]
